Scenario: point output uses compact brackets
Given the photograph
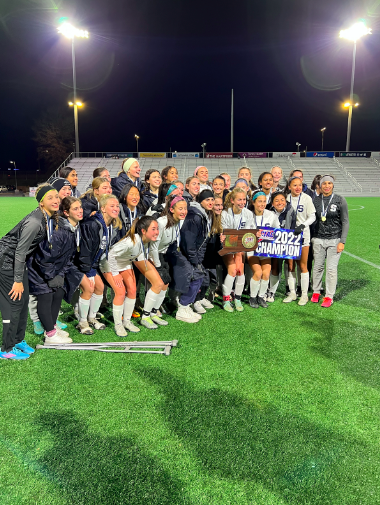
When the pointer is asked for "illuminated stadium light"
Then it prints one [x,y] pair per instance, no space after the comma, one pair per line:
[356,32]
[349,104]
[79,104]
[69,31]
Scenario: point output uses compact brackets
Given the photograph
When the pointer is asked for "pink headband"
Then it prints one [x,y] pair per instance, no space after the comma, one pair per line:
[175,200]
[196,170]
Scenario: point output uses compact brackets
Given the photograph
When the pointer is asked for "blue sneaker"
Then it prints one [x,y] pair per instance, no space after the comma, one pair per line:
[24,347]
[38,328]
[15,354]
[60,325]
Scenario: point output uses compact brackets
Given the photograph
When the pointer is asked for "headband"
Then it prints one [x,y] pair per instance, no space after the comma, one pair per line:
[256,195]
[206,193]
[292,179]
[172,188]
[59,183]
[175,200]
[41,193]
[326,178]
[196,170]
[127,164]
[241,180]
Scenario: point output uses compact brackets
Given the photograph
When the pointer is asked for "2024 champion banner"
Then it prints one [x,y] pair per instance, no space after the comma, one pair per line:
[279,243]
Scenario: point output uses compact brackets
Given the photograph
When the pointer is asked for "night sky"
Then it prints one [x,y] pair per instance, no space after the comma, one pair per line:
[164,70]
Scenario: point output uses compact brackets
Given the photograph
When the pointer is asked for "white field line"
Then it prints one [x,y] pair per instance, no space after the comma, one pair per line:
[361,208]
[362,260]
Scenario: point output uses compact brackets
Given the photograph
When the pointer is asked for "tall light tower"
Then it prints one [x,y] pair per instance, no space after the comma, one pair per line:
[70,32]
[356,32]
[323,132]
[137,144]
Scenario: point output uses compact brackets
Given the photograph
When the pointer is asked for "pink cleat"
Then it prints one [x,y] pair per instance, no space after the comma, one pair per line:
[315,298]
[327,302]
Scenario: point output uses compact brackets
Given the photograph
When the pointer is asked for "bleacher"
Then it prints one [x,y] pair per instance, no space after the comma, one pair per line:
[354,176]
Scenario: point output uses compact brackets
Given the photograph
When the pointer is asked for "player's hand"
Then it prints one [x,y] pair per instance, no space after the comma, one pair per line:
[222,238]
[93,213]
[16,291]
[118,280]
[258,234]
[340,247]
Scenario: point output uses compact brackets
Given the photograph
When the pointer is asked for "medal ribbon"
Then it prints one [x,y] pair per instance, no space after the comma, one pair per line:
[146,255]
[324,212]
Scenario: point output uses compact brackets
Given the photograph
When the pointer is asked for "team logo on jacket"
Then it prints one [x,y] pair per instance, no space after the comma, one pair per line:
[333,207]
[249,240]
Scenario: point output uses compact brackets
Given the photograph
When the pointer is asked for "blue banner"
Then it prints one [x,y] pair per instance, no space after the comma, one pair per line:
[279,243]
[320,154]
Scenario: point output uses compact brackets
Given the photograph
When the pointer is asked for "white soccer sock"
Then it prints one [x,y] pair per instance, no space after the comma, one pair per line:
[83,308]
[263,288]
[129,305]
[292,281]
[150,302]
[305,283]
[95,303]
[274,282]
[239,285]
[227,286]
[254,287]
[117,311]
[160,299]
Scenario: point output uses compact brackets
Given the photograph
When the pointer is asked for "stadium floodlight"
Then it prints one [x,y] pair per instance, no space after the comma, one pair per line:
[15,171]
[298,146]
[356,32]
[137,143]
[323,132]
[78,104]
[69,31]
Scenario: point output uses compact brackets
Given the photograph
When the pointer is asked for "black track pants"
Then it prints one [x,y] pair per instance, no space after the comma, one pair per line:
[48,308]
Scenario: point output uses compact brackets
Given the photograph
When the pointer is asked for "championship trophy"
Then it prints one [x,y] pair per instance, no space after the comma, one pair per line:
[239,241]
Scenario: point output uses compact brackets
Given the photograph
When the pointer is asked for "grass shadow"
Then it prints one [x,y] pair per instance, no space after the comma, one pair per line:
[236,439]
[94,469]
[346,286]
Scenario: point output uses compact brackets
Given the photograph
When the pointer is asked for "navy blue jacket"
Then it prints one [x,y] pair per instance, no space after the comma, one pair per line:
[306,190]
[118,183]
[287,217]
[46,263]
[125,218]
[194,234]
[148,198]
[89,205]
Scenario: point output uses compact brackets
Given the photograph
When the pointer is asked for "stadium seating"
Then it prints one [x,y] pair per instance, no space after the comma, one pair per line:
[354,176]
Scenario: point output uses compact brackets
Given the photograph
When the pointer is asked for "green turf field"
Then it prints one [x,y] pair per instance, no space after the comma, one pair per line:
[276,406]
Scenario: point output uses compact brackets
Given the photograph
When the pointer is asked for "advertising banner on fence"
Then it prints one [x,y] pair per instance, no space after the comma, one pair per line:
[320,154]
[32,192]
[279,243]
[375,154]
[185,155]
[152,155]
[253,155]
[119,155]
[286,155]
[219,155]
[360,154]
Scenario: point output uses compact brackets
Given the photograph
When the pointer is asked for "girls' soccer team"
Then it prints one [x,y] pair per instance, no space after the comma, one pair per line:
[169,233]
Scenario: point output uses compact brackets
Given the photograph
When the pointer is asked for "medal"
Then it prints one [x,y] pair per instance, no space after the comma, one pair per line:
[324,212]
[178,249]
[50,246]
[323,218]
[78,248]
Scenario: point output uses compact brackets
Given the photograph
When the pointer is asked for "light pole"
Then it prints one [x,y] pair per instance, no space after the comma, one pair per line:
[356,32]
[70,32]
[76,105]
[15,171]
[298,146]
[203,147]
[323,132]
[137,144]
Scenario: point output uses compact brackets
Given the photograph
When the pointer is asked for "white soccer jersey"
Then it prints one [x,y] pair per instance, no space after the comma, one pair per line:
[241,221]
[303,207]
[269,218]
[166,237]
[124,252]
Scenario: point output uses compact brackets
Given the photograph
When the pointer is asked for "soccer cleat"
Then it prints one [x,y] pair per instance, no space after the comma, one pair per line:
[99,315]
[60,325]
[253,302]
[238,305]
[315,298]
[15,354]
[304,299]
[261,302]
[327,302]
[24,347]
[148,323]
[198,308]
[227,306]
[84,328]
[57,339]
[156,319]
[62,333]
[92,321]
[184,313]
[38,328]
[136,314]
[120,330]
[290,298]
[206,303]
[270,297]
[128,325]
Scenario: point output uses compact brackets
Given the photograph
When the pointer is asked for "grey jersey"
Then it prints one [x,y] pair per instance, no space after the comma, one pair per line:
[337,223]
